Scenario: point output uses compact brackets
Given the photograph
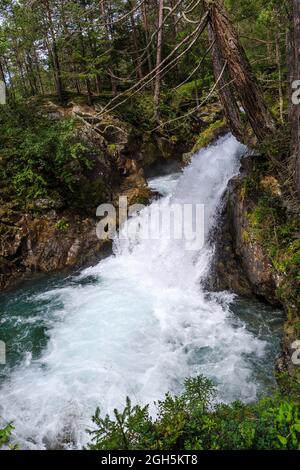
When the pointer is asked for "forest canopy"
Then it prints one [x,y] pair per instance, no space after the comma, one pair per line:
[190,50]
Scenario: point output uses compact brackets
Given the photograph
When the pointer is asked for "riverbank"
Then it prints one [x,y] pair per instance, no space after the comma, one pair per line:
[137,323]
[48,211]
[50,234]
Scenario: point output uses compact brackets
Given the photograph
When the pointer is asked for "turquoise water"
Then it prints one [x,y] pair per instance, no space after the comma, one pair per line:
[26,320]
[137,323]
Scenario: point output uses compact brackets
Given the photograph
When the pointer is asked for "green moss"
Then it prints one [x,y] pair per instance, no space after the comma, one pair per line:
[276,145]
[276,231]
[62,225]
[139,111]
[40,157]
[278,234]
[111,148]
[208,135]
[246,236]
[5,436]
[185,94]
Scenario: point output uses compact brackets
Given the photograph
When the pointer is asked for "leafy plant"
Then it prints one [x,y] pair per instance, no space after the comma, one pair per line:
[62,225]
[128,430]
[5,435]
[193,421]
[40,157]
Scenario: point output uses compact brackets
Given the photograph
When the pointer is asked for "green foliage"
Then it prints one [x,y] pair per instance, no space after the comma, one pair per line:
[270,225]
[112,148]
[62,225]
[288,383]
[139,111]
[207,136]
[39,156]
[5,435]
[185,94]
[129,430]
[192,422]
[276,146]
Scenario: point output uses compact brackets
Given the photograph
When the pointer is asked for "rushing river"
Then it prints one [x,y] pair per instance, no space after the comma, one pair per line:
[135,324]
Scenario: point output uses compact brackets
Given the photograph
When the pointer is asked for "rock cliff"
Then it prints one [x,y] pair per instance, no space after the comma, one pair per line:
[257,247]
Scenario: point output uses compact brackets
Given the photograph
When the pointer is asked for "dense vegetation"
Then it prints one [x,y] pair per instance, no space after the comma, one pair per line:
[191,422]
[153,66]
[39,157]
[5,437]
[128,57]
[154,69]
[100,47]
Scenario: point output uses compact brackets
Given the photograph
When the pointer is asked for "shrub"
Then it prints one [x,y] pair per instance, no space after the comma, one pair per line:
[192,422]
[62,225]
[5,435]
[39,156]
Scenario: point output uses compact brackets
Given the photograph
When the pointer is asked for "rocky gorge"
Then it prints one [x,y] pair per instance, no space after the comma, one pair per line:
[257,248]
[52,235]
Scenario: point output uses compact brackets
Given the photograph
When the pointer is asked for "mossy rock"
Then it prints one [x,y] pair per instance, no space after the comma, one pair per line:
[210,134]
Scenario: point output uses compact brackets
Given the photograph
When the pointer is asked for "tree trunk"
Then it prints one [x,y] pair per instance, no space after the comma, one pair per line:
[2,74]
[227,41]
[295,75]
[84,68]
[139,71]
[56,64]
[225,91]
[108,31]
[38,71]
[11,89]
[147,35]
[157,89]
[30,73]
[278,60]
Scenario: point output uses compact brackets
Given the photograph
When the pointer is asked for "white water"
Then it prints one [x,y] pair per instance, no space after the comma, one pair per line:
[136,324]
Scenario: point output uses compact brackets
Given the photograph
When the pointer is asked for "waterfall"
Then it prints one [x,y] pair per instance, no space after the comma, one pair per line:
[135,324]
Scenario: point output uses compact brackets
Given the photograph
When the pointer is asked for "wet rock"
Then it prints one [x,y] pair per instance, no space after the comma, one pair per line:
[241,264]
[254,260]
[43,244]
[138,196]
[57,233]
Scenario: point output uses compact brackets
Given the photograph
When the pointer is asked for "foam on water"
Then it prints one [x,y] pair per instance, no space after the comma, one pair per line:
[136,324]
